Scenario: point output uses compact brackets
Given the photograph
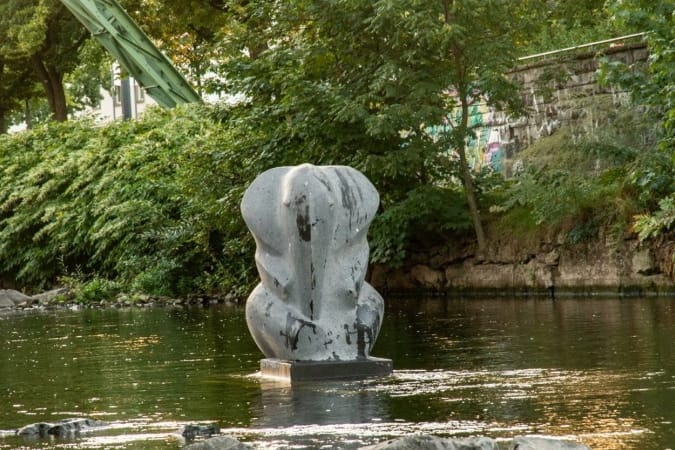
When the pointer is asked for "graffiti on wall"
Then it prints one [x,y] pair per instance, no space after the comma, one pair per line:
[555,95]
[485,147]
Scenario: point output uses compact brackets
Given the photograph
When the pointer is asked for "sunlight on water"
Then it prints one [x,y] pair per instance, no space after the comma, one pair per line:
[597,371]
[453,387]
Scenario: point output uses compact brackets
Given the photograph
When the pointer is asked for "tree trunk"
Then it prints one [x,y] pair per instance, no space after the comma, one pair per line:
[60,106]
[467,179]
[3,112]
[53,84]
[27,115]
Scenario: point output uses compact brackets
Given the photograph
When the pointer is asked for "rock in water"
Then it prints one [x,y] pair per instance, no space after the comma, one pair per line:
[39,429]
[190,432]
[219,443]
[62,428]
[9,298]
[426,442]
[545,443]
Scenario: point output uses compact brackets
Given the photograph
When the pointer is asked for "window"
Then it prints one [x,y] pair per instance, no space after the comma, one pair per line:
[139,93]
[117,95]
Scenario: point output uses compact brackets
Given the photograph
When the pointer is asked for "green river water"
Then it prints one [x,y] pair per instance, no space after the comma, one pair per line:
[597,370]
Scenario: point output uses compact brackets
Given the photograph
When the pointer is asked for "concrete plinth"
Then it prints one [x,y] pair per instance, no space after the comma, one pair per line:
[326,370]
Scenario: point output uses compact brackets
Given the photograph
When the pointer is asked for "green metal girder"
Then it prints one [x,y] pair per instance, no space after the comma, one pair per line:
[120,35]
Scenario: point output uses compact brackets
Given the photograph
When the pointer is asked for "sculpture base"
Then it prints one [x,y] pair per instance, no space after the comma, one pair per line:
[326,370]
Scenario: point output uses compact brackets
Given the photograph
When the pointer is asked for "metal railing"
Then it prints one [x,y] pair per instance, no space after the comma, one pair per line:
[581,47]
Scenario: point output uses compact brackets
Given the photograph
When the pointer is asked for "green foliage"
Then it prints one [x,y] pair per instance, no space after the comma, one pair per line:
[580,186]
[556,195]
[361,82]
[577,202]
[152,204]
[651,225]
[651,85]
[185,31]
[87,291]
[43,46]
[652,174]
[85,81]
[427,214]
[568,23]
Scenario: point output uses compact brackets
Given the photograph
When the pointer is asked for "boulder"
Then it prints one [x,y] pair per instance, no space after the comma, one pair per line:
[199,430]
[427,277]
[545,443]
[48,297]
[39,429]
[219,443]
[68,427]
[426,442]
[62,428]
[9,298]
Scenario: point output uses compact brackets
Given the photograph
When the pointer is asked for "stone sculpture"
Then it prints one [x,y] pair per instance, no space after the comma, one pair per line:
[310,224]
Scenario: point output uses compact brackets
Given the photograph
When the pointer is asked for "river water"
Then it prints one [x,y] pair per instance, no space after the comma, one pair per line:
[597,370]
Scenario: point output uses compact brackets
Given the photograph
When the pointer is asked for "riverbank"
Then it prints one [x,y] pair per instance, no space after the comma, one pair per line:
[63,298]
[538,265]
[548,266]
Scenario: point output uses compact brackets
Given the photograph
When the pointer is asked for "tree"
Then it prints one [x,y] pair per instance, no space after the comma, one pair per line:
[476,69]
[16,79]
[652,86]
[45,35]
[187,32]
[567,23]
[361,82]
[14,87]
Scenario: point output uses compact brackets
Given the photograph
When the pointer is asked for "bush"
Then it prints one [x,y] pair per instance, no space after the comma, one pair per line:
[663,219]
[584,187]
[148,203]
[153,205]
[428,214]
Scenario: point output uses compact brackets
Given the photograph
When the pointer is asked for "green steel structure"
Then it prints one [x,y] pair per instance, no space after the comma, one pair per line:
[120,35]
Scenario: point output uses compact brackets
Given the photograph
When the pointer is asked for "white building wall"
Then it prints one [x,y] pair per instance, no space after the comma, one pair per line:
[111,105]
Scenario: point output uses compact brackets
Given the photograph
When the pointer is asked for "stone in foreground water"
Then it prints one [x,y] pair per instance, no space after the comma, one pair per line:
[310,225]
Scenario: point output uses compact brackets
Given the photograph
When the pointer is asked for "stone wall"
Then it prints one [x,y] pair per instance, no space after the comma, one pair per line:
[560,93]
[537,267]
[557,93]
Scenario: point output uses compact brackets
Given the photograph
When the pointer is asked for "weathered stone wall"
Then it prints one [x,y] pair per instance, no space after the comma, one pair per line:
[557,93]
[554,93]
[537,267]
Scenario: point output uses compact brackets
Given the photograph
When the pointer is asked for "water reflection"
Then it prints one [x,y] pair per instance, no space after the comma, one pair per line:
[317,403]
[317,414]
[598,370]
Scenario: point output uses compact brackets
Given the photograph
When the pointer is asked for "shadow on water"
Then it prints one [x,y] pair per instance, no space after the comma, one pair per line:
[597,370]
